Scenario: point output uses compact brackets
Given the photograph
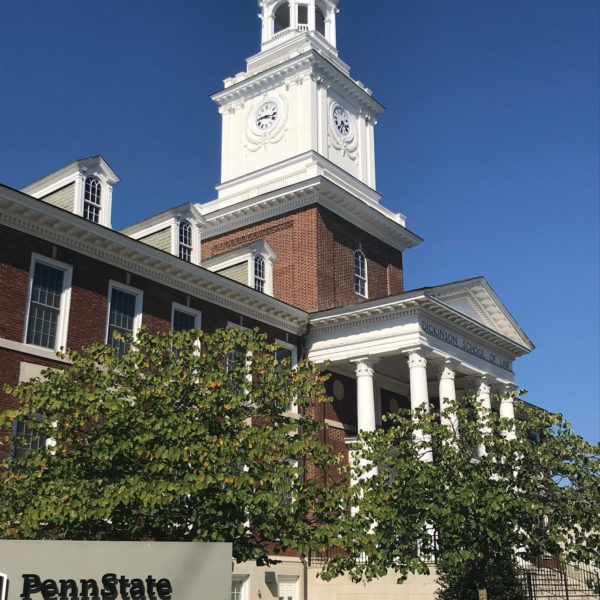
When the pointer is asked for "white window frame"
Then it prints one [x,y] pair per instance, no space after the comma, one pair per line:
[189,311]
[288,580]
[293,407]
[366,277]
[139,302]
[62,324]
[243,579]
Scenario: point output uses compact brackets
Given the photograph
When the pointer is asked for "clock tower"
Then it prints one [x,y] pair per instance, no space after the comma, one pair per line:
[298,131]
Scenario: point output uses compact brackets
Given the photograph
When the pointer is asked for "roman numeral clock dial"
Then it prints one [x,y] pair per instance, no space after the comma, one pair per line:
[266,116]
[341,121]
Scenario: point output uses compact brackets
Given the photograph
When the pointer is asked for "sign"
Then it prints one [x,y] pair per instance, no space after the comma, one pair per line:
[61,570]
[459,342]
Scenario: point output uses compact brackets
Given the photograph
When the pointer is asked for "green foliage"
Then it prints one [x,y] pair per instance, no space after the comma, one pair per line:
[536,497]
[458,582]
[181,438]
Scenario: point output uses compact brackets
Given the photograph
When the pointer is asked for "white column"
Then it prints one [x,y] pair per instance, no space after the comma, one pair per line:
[448,393]
[484,400]
[507,409]
[419,395]
[365,395]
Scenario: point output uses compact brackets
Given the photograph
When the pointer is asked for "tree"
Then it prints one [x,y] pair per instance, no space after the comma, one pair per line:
[534,488]
[183,437]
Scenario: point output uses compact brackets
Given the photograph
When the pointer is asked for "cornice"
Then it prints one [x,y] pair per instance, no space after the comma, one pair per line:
[316,190]
[407,306]
[323,71]
[34,217]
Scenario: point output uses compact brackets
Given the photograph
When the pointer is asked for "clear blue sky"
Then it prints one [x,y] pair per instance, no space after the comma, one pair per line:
[490,145]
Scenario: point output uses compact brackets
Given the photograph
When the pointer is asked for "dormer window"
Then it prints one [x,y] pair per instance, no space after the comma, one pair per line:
[185,241]
[260,275]
[360,273]
[91,199]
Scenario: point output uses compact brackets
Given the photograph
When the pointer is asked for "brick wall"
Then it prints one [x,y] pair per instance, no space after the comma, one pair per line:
[314,269]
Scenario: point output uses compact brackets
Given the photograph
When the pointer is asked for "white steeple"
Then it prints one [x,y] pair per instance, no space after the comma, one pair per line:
[282,19]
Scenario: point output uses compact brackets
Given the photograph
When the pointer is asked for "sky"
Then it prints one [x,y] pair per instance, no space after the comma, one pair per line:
[489,146]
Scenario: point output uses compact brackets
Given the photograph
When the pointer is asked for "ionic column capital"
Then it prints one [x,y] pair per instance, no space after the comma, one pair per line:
[484,384]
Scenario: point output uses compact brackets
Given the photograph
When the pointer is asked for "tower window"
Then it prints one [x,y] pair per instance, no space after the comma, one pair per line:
[91,199]
[185,241]
[360,273]
[282,17]
[259,274]
[302,14]
[320,21]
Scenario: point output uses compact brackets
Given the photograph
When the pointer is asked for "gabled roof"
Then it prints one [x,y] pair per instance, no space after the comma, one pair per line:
[471,305]
[475,298]
[186,210]
[77,166]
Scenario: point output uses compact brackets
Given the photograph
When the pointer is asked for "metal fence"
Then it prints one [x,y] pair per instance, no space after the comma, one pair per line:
[550,578]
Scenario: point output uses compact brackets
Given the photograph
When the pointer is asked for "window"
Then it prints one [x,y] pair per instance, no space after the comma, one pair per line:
[287,589]
[184,318]
[91,199]
[124,315]
[282,17]
[25,440]
[360,273]
[320,21]
[185,241]
[286,352]
[48,304]
[302,14]
[260,276]
[238,588]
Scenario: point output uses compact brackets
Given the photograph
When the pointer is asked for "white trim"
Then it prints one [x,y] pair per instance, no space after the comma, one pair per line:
[247,254]
[139,300]
[62,325]
[189,311]
[244,580]
[37,351]
[293,409]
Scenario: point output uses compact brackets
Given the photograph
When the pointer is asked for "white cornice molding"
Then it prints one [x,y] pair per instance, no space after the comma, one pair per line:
[323,71]
[165,219]
[34,217]
[405,306]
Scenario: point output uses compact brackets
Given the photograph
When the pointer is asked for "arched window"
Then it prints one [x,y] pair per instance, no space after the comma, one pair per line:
[259,274]
[360,273]
[282,17]
[320,21]
[91,199]
[185,241]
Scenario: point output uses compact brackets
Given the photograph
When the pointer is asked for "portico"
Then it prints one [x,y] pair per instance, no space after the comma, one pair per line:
[418,349]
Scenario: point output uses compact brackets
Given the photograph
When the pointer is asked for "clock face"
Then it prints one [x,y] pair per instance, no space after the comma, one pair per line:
[266,116]
[341,121]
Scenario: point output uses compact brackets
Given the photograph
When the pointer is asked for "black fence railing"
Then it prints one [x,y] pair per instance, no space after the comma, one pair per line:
[550,578]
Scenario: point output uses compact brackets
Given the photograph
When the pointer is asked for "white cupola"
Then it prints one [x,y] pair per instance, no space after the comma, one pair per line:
[284,18]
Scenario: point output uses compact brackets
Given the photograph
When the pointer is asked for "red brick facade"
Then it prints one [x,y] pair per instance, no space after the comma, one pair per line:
[89,301]
[314,269]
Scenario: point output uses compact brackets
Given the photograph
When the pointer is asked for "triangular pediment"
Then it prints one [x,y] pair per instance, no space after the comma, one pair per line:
[476,299]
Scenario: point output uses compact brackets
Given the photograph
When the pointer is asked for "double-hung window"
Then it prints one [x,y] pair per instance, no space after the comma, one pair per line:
[48,303]
[124,315]
[360,273]
[238,587]
[286,352]
[24,440]
[184,318]
[185,241]
[91,199]
[260,274]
